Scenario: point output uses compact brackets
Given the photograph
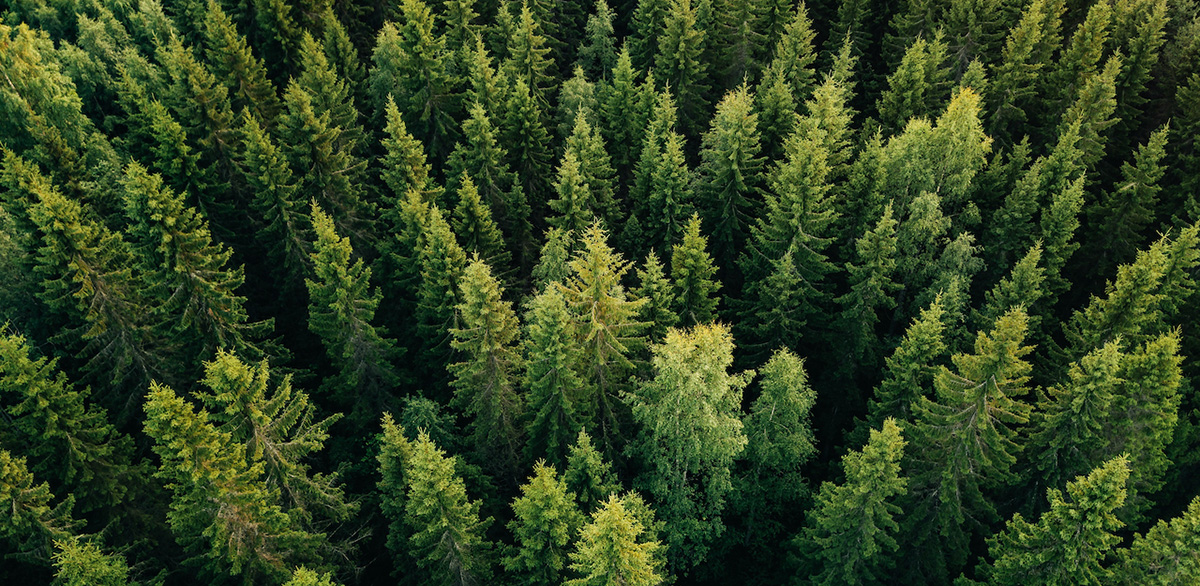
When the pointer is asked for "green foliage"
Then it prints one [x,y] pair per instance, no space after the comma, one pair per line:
[690,436]
[730,175]
[918,85]
[871,289]
[588,476]
[852,528]
[692,273]
[83,563]
[1165,554]
[286,231]
[476,230]
[659,295]
[555,388]
[546,520]
[610,550]
[30,524]
[306,577]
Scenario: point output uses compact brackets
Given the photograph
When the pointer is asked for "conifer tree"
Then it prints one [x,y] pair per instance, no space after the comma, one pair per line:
[484,381]
[394,457]
[80,562]
[729,177]
[555,389]
[447,541]
[528,143]
[1123,214]
[780,441]
[574,202]
[477,232]
[690,436]
[485,160]
[576,97]
[852,531]
[527,60]
[911,367]
[87,277]
[1079,59]
[917,86]
[1022,287]
[670,199]
[1163,555]
[680,61]
[341,308]
[1069,543]
[331,95]
[222,513]
[232,62]
[1016,79]
[343,55]
[607,328]
[595,167]
[738,41]
[588,476]
[598,55]
[553,262]
[693,273]
[546,521]
[186,271]
[776,110]
[623,116]
[966,444]
[611,549]
[1059,221]
[286,231]
[279,429]
[30,524]
[404,166]
[442,264]
[64,438]
[871,288]
[411,64]
[646,26]
[1093,111]
[306,577]
[795,56]
[659,296]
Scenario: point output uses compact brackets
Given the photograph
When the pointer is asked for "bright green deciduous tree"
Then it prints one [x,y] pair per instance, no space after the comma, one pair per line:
[851,531]
[691,435]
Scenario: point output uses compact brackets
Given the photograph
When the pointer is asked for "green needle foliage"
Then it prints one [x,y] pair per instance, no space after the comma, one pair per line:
[610,550]
[546,521]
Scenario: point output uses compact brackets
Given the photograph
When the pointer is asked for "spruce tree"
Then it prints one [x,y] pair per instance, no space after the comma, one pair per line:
[1016,79]
[588,476]
[231,60]
[598,54]
[80,562]
[1166,554]
[595,167]
[222,513]
[555,388]
[525,135]
[576,97]
[1125,212]
[1022,287]
[918,85]
[341,307]
[623,116]
[659,295]
[911,367]
[690,436]
[607,328]
[852,530]
[64,437]
[31,524]
[404,166]
[306,577]
[186,271]
[574,202]
[447,541]
[730,174]
[680,61]
[484,381]
[693,276]
[611,550]
[442,264]
[546,521]
[871,288]
[737,41]
[794,55]
[280,430]
[527,60]
[394,457]
[477,232]
[1070,542]
[552,266]
[780,441]
[1093,111]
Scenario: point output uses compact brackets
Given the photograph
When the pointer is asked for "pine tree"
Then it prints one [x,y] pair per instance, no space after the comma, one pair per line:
[331,95]
[404,166]
[574,202]
[780,441]
[79,562]
[546,521]
[692,273]
[1070,418]
[280,430]
[484,381]
[680,61]
[598,55]
[1015,81]
[186,271]
[1021,288]
[871,288]
[1123,214]
[555,389]
[447,540]
[30,524]
[286,231]
[795,56]
[738,41]
[911,367]
[576,97]
[341,308]
[646,26]
[607,328]
[411,64]
[966,444]
[776,110]
[477,232]
[222,513]
[394,457]
[918,85]
[658,293]
[343,55]
[1069,543]
[553,261]
[610,550]
[483,159]
[730,175]
[851,530]
[87,277]
[1166,554]
[66,439]
[623,116]
[1093,110]
[690,437]
[528,144]
[231,60]
[1059,221]
[1079,59]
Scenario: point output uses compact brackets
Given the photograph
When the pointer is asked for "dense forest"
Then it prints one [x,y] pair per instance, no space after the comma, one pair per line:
[542,292]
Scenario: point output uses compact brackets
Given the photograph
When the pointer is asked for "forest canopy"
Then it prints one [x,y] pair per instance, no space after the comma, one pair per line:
[457,292]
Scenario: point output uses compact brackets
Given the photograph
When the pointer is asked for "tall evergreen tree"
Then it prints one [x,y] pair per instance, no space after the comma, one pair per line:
[78,562]
[1132,201]
[1163,555]
[852,529]
[31,524]
[442,264]
[588,476]
[477,232]
[484,382]
[595,167]
[528,142]
[730,175]
[574,202]
[918,85]
[611,550]
[232,61]
[555,389]
[690,436]
[680,61]
[871,288]
[1069,542]
[693,273]
[546,521]
[527,60]
[598,54]
[658,293]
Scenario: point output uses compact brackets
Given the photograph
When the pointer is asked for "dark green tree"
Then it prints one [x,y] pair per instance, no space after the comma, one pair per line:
[918,86]
[555,389]
[574,202]
[524,133]
[694,277]
[681,60]
[659,295]
[1163,555]
[729,178]
[871,289]
[598,54]
[231,60]
[1123,214]
[30,524]
[588,476]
